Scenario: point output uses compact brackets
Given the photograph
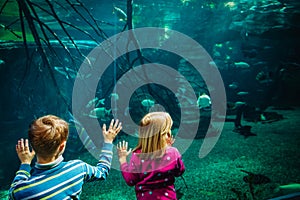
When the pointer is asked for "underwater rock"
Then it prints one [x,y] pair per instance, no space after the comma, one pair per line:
[255,178]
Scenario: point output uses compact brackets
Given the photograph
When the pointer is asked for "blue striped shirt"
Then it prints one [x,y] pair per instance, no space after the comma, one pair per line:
[59,180]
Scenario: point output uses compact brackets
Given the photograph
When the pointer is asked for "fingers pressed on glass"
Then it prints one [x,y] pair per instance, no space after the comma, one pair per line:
[123,146]
[119,127]
[21,144]
[26,144]
[104,127]
[116,124]
[111,124]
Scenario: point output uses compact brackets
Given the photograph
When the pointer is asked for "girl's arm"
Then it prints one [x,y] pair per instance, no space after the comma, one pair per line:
[180,168]
[127,170]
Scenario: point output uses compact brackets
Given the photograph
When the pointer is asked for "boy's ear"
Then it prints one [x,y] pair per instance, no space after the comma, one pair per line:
[62,145]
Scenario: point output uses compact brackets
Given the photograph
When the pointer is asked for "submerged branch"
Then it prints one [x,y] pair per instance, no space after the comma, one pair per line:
[10,30]
[93,19]
[63,27]
[25,45]
[44,25]
[99,31]
[3,6]
[30,20]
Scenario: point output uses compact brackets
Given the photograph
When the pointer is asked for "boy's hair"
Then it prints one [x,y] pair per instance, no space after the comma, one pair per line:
[152,130]
[46,134]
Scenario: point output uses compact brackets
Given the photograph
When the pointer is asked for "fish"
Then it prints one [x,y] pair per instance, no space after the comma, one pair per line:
[242,65]
[239,103]
[244,131]
[292,186]
[120,13]
[100,101]
[67,72]
[255,179]
[252,53]
[2,62]
[261,76]
[233,85]
[148,103]
[242,93]
[114,96]
[96,101]
[219,45]
[203,101]
[92,102]
[260,64]
[99,113]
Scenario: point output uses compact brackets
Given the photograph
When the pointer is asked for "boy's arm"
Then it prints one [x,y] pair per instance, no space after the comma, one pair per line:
[22,174]
[101,170]
[25,156]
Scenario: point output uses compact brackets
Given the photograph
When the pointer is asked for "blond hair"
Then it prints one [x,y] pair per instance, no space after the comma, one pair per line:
[152,131]
[46,134]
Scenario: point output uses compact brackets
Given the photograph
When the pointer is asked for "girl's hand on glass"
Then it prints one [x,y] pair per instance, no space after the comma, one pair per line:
[170,140]
[123,151]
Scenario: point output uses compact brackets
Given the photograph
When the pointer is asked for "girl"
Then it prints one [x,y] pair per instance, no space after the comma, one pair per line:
[154,164]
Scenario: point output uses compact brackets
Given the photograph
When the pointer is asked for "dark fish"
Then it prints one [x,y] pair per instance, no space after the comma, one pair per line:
[255,178]
[2,62]
[245,131]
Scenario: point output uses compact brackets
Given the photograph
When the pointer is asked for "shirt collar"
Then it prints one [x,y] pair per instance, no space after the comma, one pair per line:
[49,165]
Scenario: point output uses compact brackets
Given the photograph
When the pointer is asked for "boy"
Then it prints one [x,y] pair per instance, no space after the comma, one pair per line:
[51,178]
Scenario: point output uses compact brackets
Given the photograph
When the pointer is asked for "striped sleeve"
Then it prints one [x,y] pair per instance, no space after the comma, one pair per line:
[22,174]
[103,166]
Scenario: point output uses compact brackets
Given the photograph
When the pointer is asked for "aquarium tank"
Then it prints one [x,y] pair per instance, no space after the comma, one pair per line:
[227,72]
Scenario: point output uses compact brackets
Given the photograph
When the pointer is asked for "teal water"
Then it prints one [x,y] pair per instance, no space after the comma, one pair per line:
[254,46]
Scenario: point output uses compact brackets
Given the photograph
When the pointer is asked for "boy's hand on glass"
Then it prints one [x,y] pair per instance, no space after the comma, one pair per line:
[113,130]
[23,151]
[123,151]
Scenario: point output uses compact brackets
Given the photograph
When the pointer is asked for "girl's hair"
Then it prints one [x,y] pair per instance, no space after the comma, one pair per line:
[46,134]
[152,132]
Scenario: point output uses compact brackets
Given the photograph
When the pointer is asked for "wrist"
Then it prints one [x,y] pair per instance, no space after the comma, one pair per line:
[122,160]
[25,162]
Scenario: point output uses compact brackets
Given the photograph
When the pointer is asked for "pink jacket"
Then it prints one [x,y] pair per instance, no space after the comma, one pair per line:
[154,178]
